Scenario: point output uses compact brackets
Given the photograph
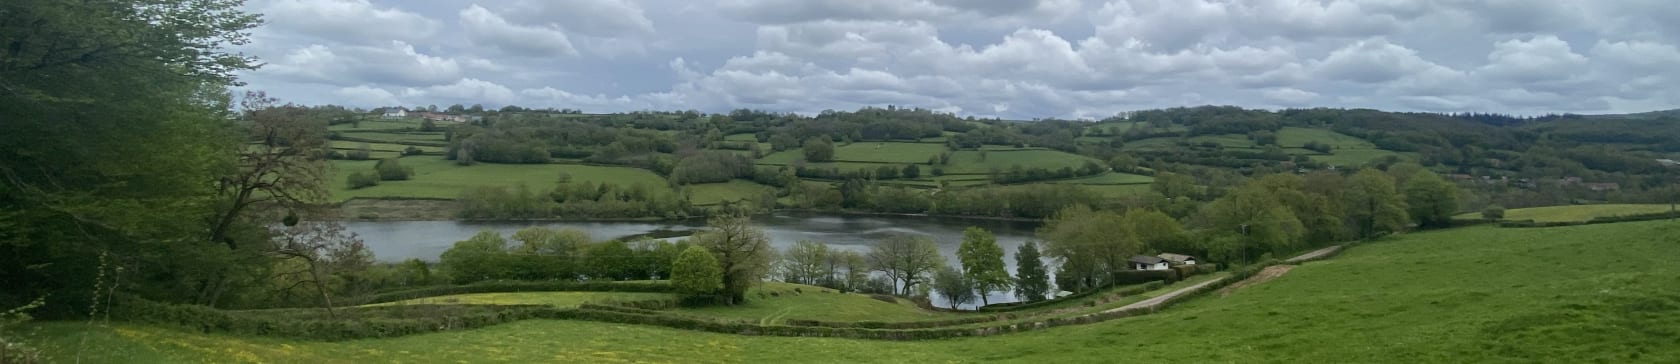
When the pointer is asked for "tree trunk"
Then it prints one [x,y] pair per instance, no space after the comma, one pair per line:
[326,299]
[983,301]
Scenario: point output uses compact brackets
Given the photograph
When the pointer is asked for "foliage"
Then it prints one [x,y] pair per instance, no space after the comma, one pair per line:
[819,149]
[1372,204]
[957,289]
[806,263]
[743,251]
[359,180]
[1032,281]
[1089,244]
[1430,200]
[982,262]
[907,260]
[1493,212]
[390,169]
[696,271]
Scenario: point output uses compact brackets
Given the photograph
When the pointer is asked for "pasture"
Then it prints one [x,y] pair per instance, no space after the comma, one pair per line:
[557,299]
[715,193]
[435,177]
[1594,293]
[984,162]
[1575,212]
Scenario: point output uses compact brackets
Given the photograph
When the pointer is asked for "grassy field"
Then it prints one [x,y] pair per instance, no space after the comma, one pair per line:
[1111,178]
[887,152]
[1118,190]
[435,177]
[386,147]
[1574,212]
[972,162]
[1595,293]
[814,304]
[1296,137]
[558,299]
[734,190]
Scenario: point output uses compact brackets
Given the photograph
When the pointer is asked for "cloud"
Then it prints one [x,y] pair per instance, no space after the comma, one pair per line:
[1013,59]
[354,21]
[486,27]
[396,63]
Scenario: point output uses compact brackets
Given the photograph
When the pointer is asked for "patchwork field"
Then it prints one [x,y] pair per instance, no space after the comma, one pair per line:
[1575,212]
[435,177]
[972,162]
[1595,293]
[1111,178]
[557,299]
[715,193]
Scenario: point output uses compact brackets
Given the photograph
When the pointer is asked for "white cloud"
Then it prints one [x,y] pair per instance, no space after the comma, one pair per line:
[466,90]
[595,18]
[366,96]
[397,63]
[356,21]
[1538,59]
[488,28]
[1289,96]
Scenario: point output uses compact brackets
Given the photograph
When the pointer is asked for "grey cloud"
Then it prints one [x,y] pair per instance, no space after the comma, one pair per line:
[490,29]
[355,21]
[595,18]
[396,63]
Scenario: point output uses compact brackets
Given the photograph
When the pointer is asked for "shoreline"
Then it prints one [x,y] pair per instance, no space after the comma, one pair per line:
[393,209]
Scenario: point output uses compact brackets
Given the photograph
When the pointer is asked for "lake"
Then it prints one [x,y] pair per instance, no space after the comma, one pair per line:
[393,241]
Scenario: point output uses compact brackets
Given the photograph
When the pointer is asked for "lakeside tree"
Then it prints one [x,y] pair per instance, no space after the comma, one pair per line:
[1090,245]
[1431,200]
[982,262]
[819,149]
[390,169]
[1032,281]
[1248,222]
[742,251]
[907,260]
[807,262]
[696,271]
[327,255]
[857,270]
[957,289]
[481,257]
[1372,204]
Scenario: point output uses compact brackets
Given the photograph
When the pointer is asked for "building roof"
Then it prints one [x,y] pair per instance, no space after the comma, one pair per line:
[1145,259]
[1176,257]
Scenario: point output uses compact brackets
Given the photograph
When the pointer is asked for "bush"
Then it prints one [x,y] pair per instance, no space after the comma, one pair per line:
[1494,212]
[389,169]
[512,286]
[1131,277]
[412,150]
[314,324]
[359,180]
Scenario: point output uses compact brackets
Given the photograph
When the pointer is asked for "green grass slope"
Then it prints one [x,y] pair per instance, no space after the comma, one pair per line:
[1574,212]
[435,177]
[1595,293]
[812,303]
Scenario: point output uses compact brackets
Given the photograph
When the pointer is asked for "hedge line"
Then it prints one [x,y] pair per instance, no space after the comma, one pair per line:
[511,286]
[1125,278]
[351,323]
[1017,306]
[1595,220]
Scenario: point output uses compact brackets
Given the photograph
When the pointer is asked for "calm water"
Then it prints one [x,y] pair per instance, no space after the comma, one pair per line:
[426,240]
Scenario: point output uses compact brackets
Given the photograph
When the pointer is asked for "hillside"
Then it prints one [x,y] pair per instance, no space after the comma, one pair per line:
[1479,294]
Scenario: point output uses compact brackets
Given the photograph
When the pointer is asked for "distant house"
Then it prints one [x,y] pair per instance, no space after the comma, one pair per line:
[1145,262]
[1178,259]
[443,117]
[1603,186]
[394,113]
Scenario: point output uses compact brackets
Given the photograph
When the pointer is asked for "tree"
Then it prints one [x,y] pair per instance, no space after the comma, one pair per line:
[390,169]
[481,257]
[857,270]
[955,286]
[982,262]
[743,251]
[819,149]
[1090,244]
[1372,204]
[1493,212]
[1431,200]
[611,260]
[911,171]
[1032,281]
[696,271]
[1174,185]
[806,263]
[907,260]
[326,251]
[1154,229]
[1255,221]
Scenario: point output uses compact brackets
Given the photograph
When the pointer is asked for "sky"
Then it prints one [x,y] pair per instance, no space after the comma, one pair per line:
[1014,59]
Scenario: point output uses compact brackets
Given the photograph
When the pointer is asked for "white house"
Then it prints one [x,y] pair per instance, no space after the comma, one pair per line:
[1178,259]
[394,113]
[1145,262]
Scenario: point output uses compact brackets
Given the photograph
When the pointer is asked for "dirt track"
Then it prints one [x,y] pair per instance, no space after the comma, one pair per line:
[1265,275]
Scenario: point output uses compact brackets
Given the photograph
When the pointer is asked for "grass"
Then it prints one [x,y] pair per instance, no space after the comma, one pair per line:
[1574,212]
[375,123]
[1111,178]
[1113,191]
[1594,293]
[871,152]
[734,190]
[557,299]
[814,304]
[1151,144]
[346,145]
[972,162]
[435,177]
[1296,137]
[1353,157]
[399,138]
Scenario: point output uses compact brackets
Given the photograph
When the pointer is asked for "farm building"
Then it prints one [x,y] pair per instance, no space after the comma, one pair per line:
[1178,259]
[1145,262]
[394,113]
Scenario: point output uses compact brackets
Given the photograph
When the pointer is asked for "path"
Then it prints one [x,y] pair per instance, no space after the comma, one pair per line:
[1314,254]
[1152,303]
[1158,300]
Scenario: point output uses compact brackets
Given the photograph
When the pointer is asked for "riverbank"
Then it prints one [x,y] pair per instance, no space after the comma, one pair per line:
[363,209]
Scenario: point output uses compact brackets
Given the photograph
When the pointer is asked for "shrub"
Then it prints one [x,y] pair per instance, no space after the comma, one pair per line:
[1494,212]
[696,272]
[412,150]
[359,180]
[389,169]
[1131,277]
